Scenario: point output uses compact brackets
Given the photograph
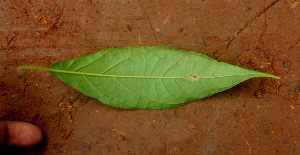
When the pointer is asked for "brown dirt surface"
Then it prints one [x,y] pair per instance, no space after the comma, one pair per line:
[259,116]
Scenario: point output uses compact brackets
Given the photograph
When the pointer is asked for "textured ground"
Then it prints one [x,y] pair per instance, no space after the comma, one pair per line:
[259,116]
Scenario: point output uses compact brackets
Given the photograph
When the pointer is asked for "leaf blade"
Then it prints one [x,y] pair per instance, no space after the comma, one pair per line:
[149,77]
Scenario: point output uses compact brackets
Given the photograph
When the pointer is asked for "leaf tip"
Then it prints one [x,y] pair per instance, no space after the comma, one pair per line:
[272,76]
[276,77]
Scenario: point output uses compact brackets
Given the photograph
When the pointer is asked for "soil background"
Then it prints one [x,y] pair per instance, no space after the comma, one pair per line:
[259,116]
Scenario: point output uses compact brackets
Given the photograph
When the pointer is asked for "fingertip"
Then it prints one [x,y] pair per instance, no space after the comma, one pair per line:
[3,133]
[22,134]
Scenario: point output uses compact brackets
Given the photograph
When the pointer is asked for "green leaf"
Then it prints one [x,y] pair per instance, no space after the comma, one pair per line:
[148,77]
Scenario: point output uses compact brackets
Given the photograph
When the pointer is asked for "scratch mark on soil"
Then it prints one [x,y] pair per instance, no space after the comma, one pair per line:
[12,39]
[294,45]
[264,30]
[166,20]
[250,21]
[144,12]
[70,131]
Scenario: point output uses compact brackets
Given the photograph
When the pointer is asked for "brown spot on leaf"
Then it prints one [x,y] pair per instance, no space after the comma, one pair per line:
[194,78]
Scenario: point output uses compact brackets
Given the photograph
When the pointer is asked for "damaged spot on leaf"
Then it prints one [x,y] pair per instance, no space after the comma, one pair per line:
[194,78]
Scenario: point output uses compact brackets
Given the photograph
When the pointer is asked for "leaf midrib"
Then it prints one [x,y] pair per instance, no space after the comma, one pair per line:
[132,76]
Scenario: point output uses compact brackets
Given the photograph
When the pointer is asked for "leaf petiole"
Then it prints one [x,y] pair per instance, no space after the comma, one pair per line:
[94,74]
